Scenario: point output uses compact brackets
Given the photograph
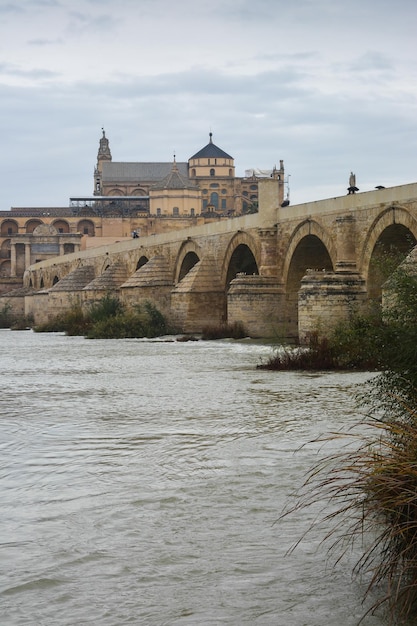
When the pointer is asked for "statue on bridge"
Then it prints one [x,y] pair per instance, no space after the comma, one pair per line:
[352,184]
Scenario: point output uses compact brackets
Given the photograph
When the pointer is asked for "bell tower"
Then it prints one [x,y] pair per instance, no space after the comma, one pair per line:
[103,154]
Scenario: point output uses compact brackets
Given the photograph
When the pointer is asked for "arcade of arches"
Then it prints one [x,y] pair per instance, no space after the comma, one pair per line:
[280,271]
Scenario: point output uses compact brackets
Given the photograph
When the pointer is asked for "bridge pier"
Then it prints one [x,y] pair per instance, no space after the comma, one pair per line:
[198,299]
[151,282]
[346,238]
[326,298]
[259,303]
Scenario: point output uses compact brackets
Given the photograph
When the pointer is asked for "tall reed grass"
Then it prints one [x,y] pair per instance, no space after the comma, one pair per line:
[371,495]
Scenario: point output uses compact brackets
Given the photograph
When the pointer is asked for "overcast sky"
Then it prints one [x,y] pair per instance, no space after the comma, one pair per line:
[328,86]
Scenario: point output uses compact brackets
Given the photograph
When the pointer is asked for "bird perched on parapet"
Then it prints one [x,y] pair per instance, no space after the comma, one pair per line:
[285,203]
[380,187]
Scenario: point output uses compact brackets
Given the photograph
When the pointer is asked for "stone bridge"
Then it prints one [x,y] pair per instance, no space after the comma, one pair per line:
[283,271]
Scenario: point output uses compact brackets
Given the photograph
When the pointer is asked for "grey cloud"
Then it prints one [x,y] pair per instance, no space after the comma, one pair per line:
[46,3]
[45,42]
[10,9]
[372,60]
[84,22]
[7,69]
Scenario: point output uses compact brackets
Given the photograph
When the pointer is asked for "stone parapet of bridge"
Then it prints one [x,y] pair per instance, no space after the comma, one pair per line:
[281,271]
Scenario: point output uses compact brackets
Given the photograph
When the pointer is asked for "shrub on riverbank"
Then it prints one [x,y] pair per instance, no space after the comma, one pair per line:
[373,490]
[235,330]
[109,319]
[140,321]
[355,344]
[6,318]
[317,356]
[372,493]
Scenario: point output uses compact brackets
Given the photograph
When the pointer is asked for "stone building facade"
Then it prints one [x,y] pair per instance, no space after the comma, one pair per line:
[207,179]
[283,272]
[140,199]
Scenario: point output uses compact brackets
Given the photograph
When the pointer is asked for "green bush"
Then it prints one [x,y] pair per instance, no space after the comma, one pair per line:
[318,355]
[373,490]
[6,318]
[72,322]
[235,330]
[108,318]
[109,306]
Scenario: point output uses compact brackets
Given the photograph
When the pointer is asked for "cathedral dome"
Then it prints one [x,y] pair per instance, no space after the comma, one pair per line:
[211,151]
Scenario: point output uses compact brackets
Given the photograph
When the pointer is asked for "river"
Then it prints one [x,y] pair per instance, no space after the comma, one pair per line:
[142,482]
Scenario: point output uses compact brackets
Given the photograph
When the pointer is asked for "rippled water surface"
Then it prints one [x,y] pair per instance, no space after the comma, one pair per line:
[141,482]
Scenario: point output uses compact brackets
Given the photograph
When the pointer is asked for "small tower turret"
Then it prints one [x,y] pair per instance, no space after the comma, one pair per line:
[103,154]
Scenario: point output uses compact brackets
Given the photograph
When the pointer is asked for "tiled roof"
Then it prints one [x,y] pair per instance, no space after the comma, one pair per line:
[139,172]
[76,280]
[156,272]
[18,293]
[112,277]
[211,151]
[174,180]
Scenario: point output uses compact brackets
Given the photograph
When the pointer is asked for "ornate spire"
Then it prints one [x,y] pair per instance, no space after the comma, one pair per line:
[104,153]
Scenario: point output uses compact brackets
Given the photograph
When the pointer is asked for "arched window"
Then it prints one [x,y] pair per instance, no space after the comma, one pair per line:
[31,225]
[212,172]
[175,211]
[6,249]
[62,226]
[8,227]
[5,268]
[214,199]
[86,227]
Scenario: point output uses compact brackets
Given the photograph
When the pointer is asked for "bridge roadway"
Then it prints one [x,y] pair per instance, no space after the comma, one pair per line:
[282,271]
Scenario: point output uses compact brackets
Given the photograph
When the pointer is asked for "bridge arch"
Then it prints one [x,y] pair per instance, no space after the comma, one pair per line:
[189,255]
[316,239]
[143,260]
[241,256]
[393,231]
[392,216]
[105,265]
[310,247]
